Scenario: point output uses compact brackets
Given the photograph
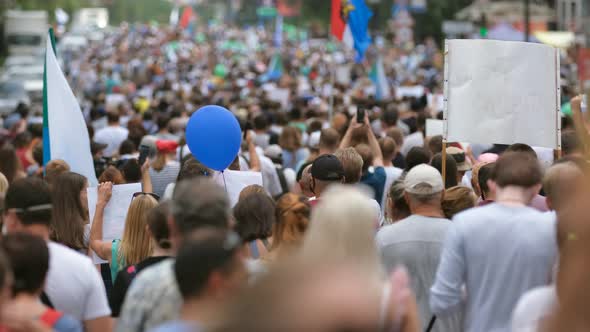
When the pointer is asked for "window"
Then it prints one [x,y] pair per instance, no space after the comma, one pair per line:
[24,40]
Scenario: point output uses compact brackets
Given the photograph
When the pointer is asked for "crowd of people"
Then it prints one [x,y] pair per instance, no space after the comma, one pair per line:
[362,221]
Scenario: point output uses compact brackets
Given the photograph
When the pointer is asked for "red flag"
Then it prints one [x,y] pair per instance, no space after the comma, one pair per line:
[187,16]
[338,25]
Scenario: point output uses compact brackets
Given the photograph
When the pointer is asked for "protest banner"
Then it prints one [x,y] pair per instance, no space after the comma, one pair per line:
[502,92]
[434,127]
[115,212]
[280,96]
[235,181]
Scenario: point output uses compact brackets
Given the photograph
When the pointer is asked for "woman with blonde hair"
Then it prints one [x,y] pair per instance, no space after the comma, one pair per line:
[135,244]
[293,151]
[292,218]
[343,228]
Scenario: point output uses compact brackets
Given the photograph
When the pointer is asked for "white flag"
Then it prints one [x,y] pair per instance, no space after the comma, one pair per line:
[65,128]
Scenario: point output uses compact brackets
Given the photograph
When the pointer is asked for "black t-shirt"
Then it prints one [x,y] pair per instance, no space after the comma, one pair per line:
[124,279]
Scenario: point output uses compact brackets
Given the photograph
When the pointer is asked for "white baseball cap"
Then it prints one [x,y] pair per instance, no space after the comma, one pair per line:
[423,180]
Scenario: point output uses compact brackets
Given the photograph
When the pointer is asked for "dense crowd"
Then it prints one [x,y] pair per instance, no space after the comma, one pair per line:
[354,227]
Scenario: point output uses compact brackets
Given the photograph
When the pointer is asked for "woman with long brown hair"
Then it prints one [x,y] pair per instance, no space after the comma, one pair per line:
[70,211]
[135,244]
[10,165]
[293,150]
[292,218]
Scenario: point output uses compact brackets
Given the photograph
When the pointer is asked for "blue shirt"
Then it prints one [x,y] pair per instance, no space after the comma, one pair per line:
[498,253]
[376,181]
[177,326]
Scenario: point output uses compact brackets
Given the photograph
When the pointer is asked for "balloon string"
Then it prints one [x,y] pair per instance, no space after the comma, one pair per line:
[224,184]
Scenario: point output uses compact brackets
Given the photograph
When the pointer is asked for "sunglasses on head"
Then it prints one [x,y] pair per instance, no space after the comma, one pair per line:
[155,196]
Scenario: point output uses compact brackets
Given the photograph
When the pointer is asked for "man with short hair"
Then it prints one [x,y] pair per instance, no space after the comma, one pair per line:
[415,139]
[488,193]
[73,284]
[325,171]
[560,183]
[112,135]
[494,254]
[329,141]
[416,242]
[209,268]
[153,297]
[352,162]
[371,154]
[570,143]
[416,156]
[263,136]
[388,149]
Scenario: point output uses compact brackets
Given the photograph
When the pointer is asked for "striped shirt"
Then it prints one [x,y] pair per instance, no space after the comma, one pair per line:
[167,175]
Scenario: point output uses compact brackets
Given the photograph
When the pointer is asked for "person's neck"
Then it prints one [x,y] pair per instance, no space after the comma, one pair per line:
[387,162]
[198,310]
[431,211]
[324,151]
[513,196]
[41,231]
[31,302]
[159,252]
[114,124]
[490,196]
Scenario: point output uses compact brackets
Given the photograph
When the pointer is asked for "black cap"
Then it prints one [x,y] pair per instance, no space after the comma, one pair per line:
[327,168]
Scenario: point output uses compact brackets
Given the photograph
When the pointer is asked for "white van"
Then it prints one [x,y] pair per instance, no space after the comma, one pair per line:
[25,32]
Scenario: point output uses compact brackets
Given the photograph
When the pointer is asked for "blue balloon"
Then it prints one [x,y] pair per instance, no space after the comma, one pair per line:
[214,136]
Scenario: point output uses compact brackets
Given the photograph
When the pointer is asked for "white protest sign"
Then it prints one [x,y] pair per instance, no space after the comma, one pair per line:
[280,96]
[434,127]
[502,92]
[342,74]
[115,211]
[236,181]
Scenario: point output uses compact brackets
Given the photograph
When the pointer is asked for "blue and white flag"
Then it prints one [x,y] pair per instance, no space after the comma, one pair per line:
[64,130]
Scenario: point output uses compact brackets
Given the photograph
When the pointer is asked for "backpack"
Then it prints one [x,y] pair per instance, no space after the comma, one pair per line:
[283,181]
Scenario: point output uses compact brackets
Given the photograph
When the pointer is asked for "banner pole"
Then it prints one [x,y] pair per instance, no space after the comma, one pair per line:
[444,163]
[332,81]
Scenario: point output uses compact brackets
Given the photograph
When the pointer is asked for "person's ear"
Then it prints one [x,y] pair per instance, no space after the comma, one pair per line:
[492,186]
[407,198]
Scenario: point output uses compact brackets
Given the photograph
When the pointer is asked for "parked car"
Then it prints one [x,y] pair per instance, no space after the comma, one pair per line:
[11,94]
[31,78]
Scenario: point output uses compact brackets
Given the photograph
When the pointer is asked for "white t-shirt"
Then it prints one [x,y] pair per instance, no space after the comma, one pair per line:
[412,140]
[532,308]
[112,137]
[74,285]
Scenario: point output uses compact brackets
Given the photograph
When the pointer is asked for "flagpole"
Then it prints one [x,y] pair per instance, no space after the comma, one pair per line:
[332,81]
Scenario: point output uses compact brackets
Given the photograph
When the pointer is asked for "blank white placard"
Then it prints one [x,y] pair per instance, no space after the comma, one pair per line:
[502,92]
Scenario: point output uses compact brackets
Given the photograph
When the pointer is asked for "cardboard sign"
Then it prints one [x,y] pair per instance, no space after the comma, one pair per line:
[502,92]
